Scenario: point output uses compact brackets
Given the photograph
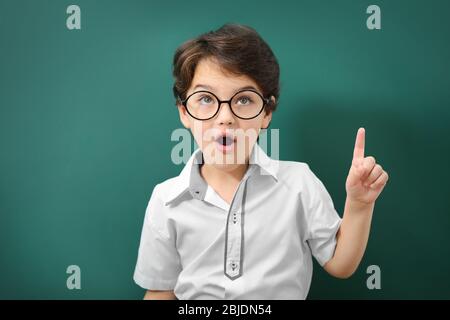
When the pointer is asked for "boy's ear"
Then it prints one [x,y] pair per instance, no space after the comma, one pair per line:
[273,99]
[184,117]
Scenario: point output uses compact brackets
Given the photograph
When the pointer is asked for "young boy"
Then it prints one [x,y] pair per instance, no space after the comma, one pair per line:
[236,224]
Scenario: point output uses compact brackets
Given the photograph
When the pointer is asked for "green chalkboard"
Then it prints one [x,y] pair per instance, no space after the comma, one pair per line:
[86,117]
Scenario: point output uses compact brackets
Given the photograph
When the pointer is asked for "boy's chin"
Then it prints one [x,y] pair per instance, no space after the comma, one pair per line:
[226,157]
[228,163]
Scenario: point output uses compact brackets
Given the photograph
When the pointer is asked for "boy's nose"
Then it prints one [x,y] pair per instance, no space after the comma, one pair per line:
[225,115]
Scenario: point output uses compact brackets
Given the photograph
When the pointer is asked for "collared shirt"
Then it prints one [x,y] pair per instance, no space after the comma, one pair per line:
[260,246]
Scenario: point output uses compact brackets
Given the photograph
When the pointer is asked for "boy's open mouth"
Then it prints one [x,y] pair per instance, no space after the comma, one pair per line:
[225,143]
[225,140]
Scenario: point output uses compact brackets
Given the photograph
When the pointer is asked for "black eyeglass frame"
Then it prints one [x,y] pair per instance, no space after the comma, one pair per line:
[265,102]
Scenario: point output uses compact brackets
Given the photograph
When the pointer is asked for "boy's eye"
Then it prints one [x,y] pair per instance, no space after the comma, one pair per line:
[206,99]
[244,100]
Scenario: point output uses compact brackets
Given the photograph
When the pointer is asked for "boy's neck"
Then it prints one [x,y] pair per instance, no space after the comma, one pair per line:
[213,175]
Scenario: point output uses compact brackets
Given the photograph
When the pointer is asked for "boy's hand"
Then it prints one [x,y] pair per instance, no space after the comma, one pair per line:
[366,179]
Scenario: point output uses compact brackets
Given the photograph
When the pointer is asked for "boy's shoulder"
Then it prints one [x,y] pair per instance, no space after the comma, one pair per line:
[292,169]
[296,175]
[289,165]
[163,189]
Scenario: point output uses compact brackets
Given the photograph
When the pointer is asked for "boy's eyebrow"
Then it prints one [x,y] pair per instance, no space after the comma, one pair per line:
[205,86]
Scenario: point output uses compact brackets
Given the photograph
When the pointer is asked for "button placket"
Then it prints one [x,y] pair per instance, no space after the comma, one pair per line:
[234,247]
[234,235]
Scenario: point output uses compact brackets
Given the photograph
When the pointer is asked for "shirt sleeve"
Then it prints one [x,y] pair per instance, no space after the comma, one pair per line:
[323,222]
[158,263]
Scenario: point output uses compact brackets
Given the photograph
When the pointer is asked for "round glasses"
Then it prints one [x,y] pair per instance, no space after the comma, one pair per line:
[204,105]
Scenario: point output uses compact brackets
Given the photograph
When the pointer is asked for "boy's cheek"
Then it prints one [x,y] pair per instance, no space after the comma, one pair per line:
[200,138]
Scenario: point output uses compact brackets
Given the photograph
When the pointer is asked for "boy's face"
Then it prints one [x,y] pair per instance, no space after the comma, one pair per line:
[240,134]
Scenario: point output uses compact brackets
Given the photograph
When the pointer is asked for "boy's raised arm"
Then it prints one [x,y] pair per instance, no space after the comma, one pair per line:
[365,181]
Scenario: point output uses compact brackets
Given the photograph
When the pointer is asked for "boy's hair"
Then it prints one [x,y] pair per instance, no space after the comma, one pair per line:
[238,49]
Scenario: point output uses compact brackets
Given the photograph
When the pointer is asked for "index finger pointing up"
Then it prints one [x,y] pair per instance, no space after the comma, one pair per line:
[358,152]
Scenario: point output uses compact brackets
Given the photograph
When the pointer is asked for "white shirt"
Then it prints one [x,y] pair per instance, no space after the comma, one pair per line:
[259,247]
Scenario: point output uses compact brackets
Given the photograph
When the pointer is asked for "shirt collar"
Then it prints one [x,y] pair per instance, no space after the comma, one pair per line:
[267,165]
[190,179]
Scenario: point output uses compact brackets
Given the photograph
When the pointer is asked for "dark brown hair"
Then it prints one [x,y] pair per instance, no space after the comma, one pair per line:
[238,49]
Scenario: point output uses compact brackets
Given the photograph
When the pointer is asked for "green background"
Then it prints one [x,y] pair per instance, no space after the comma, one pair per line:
[86,117]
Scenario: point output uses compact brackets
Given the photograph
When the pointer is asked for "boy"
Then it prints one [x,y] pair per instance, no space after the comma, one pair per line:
[236,224]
